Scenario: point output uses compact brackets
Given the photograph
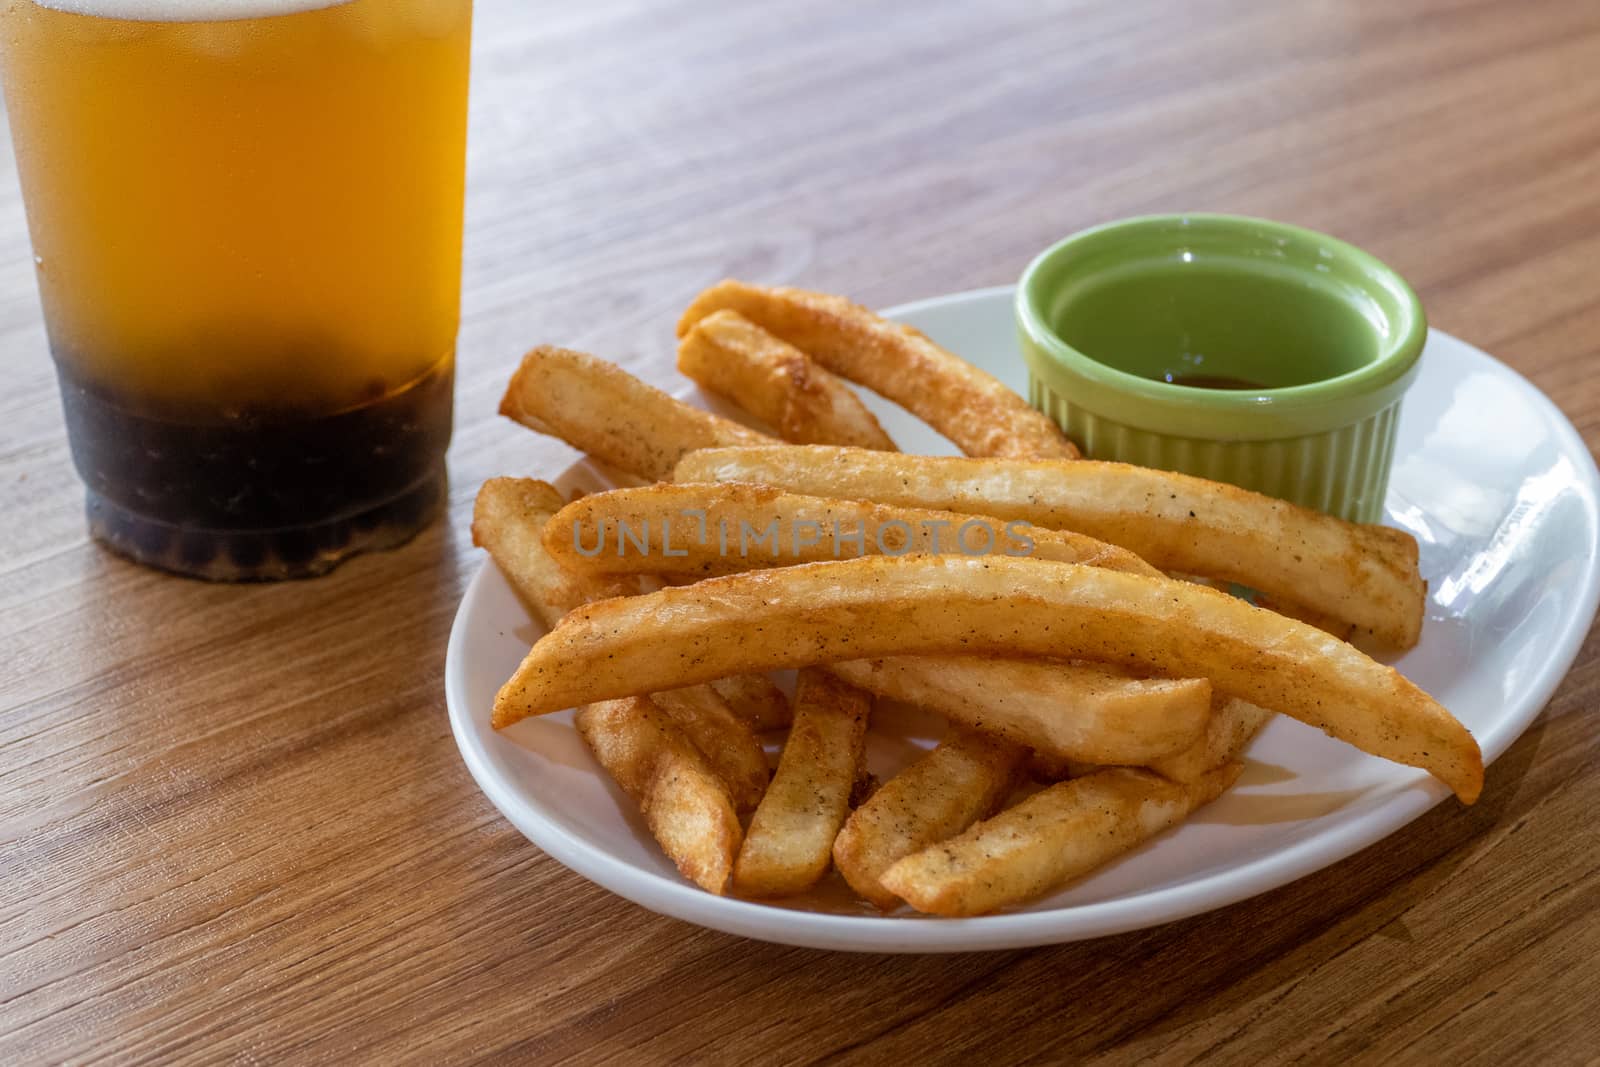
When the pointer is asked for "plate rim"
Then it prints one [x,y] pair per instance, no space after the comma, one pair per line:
[668,895]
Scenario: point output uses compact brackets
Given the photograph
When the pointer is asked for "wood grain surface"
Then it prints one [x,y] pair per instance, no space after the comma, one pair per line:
[233,824]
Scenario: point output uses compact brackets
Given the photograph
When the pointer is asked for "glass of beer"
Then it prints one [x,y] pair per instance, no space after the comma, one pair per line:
[246,221]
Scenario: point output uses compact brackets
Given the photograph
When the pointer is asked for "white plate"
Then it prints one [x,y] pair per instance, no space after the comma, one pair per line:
[1491,478]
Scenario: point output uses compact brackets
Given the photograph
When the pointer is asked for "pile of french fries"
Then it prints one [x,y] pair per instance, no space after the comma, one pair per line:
[1098,685]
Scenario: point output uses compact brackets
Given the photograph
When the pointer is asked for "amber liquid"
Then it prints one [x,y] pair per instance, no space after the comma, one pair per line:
[248,238]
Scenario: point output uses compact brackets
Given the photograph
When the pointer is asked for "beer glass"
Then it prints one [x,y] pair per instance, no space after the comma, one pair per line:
[246,221]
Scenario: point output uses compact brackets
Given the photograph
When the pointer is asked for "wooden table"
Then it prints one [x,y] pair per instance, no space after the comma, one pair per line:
[235,825]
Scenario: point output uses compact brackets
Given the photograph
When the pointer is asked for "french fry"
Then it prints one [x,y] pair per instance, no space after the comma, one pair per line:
[1060,833]
[789,843]
[1234,724]
[1339,628]
[701,529]
[683,802]
[507,518]
[973,409]
[1231,728]
[942,793]
[756,700]
[1052,769]
[1072,711]
[599,408]
[728,743]
[729,355]
[1364,575]
[879,606]
[1344,631]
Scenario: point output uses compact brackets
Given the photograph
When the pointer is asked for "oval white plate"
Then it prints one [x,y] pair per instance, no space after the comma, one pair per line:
[1491,478]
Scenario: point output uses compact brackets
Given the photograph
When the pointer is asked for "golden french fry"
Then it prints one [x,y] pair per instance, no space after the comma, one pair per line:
[1050,769]
[777,383]
[973,409]
[1060,833]
[945,791]
[1339,628]
[599,408]
[709,528]
[756,700]
[685,805]
[878,606]
[1234,724]
[1324,622]
[1361,574]
[789,843]
[728,743]
[1073,711]
[507,518]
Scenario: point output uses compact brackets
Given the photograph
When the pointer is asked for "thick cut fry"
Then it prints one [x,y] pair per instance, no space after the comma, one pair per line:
[789,842]
[1234,724]
[777,383]
[961,781]
[702,528]
[756,700]
[507,518]
[1076,712]
[971,408]
[1067,710]
[1072,711]
[506,521]
[1050,769]
[1361,574]
[1339,628]
[1049,839]
[599,408]
[877,606]
[728,743]
[1326,623]
[685,805]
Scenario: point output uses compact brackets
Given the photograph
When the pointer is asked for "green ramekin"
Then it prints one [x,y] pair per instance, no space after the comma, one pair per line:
[1327,334]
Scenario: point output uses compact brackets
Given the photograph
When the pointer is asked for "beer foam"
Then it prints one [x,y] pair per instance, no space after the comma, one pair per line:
[186,10]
